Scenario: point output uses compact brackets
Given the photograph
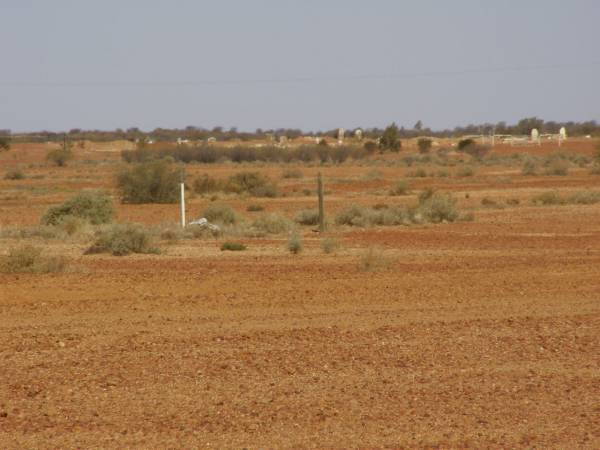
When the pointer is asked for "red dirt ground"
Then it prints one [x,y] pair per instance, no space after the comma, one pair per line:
[481,334]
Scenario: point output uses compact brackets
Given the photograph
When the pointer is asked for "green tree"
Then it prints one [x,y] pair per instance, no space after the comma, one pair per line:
[389,140]
[4,143]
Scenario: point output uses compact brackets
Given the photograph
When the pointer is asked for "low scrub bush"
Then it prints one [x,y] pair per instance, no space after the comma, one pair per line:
[233,246]
[418,173]
[329,245]
[73,225]
[373,174]
[292,173]
[438,208]
[547,198]
[60,156]
[206,184]
[14,175]
[121,240]
[465,171]
[308,217]
[208,154]
[400,187]
[464,143]
[557,167]
[361,216]
[253,183]
[152,182]
[255,208]
[96,208]
[529,167]
[4,143]
[489,203]
[424,145]
[29,259]
[294,243]
[271,224]
[466,217]
[25,232]
[585,198]
[373,259]
[220,214]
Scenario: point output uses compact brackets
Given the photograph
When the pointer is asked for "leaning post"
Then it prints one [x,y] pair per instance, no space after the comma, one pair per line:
[182,195]
[321,205]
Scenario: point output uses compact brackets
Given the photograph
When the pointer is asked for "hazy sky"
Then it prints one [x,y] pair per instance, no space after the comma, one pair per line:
[311,64]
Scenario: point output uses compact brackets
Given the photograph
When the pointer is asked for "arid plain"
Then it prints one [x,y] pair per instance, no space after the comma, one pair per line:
[477,333]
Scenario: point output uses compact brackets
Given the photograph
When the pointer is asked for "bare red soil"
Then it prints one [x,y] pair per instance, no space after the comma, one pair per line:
[476,335]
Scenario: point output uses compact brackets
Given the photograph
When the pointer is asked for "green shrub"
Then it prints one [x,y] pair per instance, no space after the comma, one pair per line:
[466,217]
[60,156]
[418,173]
[426,194]
[438,208]
[72,225]
[489,203]
[443,173]
[96,208]
[253,183]
[370,146]
[329,245]
[401,187]
[152,182]
[233,246]
[14,174]
[200,232]
[373,174]
[172,234]
[255,208]
[4,143]
[308,217]
[595,170]
[547,198]
[292,173]
[464,143]
[477,151]
[373,259]
[221,214]
[354,215]
[585,198]
[121,240]
[294,243]
[25,232]
[206,184]
[29,259]
[558,167]
[271,224]
[465,171]
[424,145]
[529,167]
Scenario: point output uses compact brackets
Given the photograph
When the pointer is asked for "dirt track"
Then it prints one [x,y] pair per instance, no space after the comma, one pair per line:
[481,334]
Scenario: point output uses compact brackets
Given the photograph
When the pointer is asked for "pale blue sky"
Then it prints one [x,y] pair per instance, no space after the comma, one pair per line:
[120,63]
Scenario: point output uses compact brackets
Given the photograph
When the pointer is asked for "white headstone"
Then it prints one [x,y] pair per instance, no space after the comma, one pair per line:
[358,134]
[341,133]
[563,133]
[535,135]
